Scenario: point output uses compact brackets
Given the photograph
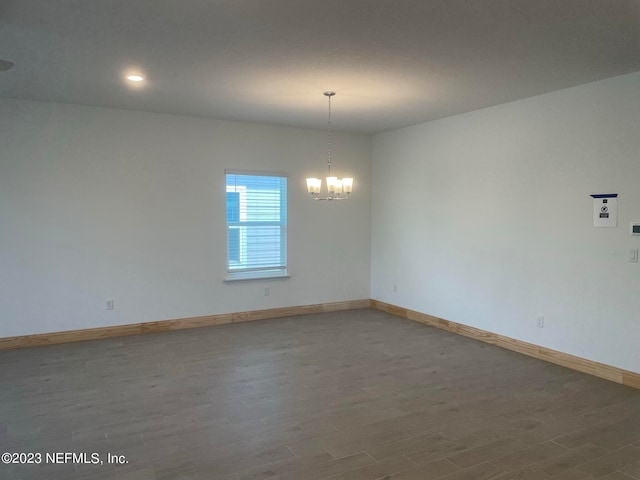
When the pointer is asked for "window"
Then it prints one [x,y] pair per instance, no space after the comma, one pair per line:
[256,225]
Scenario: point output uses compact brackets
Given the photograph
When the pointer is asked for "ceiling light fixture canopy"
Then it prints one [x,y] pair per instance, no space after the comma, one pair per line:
[5,65]
[337,188]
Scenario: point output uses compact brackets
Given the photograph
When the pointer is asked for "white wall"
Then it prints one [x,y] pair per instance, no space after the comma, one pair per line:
[485,219]
[98,204]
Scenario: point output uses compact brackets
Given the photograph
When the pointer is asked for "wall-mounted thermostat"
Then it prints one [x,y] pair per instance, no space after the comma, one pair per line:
[635,229]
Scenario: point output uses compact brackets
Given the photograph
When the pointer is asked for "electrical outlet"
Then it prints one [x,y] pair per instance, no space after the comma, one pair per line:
[110,305]
[540,322]
[267,291]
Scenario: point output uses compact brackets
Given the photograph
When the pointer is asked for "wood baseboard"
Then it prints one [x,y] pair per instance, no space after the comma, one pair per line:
[42,339]
[608,372]
[614,374]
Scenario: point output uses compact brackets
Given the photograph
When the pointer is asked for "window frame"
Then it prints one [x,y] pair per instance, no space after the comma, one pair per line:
[258,273]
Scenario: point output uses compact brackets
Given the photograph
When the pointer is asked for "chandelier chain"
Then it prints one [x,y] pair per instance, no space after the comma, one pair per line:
[329,137]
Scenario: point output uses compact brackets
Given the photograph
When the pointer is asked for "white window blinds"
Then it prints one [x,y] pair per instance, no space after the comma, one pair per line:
[256,225]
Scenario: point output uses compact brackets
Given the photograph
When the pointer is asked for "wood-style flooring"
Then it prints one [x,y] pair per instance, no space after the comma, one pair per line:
[354,395]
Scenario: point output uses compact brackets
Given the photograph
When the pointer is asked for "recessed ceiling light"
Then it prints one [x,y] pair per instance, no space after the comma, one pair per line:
[135,78]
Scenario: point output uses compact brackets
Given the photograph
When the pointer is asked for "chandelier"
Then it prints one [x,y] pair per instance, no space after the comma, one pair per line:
[337,188]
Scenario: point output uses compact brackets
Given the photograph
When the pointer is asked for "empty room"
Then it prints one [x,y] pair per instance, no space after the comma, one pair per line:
[339,240]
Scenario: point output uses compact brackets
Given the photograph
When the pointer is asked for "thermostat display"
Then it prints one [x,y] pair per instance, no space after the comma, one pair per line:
[635,229]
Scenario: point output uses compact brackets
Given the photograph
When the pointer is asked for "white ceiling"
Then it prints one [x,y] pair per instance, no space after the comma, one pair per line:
[392,62]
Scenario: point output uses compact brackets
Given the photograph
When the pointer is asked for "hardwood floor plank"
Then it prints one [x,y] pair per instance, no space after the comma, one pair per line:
[611,462]
[429,471]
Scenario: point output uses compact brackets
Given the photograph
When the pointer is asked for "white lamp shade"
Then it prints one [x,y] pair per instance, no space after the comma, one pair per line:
[331,184]
[347,185]
[313,185]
